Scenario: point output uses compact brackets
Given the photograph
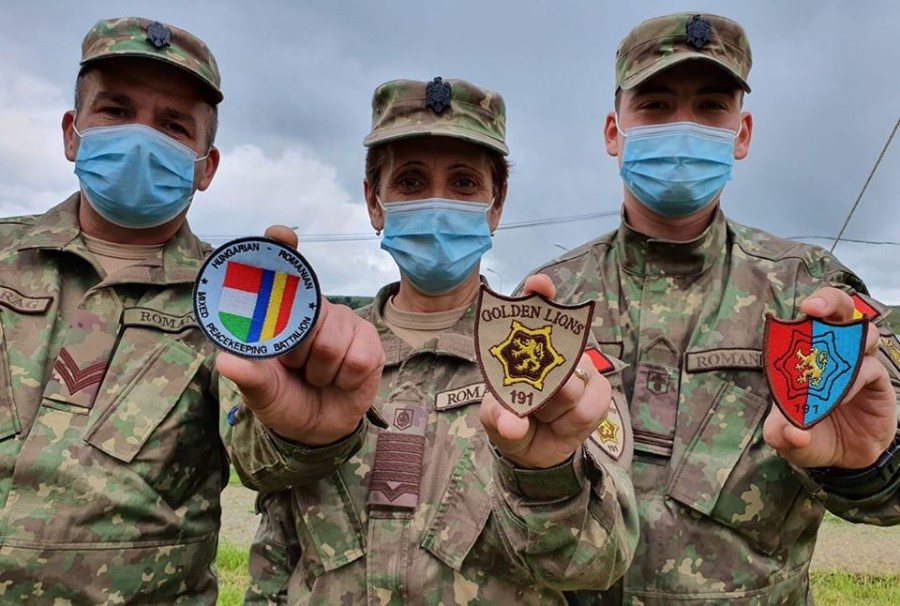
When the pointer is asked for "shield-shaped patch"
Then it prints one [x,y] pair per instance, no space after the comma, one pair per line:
[528,346]
[810,365]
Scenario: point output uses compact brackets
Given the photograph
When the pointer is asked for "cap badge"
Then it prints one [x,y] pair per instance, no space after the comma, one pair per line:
[159,35]
[437,95]
[256,298]
[527,347]
[698,32]
[811,364]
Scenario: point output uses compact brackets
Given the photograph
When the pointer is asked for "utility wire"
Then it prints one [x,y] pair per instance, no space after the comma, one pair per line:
[853,240]
[866,184]
[353,237]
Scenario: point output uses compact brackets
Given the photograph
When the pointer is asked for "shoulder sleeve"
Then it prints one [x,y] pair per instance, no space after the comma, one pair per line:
[267,462]
[574,526]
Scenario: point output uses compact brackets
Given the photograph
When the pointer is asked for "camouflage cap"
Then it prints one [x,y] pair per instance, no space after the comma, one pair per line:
[660,43]
[137,37]
[451,108]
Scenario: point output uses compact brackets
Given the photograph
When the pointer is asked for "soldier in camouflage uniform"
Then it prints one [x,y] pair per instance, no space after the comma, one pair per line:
[730,495]
[427,501]
[109,442]
[111,465]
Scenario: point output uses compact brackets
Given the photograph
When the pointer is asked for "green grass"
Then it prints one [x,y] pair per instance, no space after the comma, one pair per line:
[894,319]
[233,479]
[833,588]
[231,564]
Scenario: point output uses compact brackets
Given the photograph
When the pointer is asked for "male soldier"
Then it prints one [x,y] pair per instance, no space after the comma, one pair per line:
[110,460]
[730,494]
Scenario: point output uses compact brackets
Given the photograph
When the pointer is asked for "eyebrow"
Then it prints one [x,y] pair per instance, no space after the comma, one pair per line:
[174,114]
[721,88]
[119,98]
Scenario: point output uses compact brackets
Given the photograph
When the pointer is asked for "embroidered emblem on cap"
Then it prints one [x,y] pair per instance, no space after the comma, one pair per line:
[810,365]
[437,95]
[698,32]
[256,298]
[609,434]
[528,347]
[159,35]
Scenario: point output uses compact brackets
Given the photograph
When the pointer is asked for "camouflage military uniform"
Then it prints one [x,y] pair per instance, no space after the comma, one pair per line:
[723,518]
[482,532]
[110,460]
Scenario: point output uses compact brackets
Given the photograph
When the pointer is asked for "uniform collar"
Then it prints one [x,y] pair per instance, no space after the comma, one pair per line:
[58,229]
[458,341]
[643,256]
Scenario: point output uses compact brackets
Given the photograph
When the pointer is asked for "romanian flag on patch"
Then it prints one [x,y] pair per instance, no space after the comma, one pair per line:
[256,303]
[862,309]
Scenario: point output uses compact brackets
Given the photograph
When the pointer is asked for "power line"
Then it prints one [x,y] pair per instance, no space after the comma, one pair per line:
[853,240]
[866,184]
[355,237]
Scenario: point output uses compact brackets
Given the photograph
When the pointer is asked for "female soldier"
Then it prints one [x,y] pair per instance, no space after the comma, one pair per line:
[437,495]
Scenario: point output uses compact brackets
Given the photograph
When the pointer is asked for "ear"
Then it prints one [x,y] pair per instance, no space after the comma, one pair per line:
[376,216]
[210,166]
[611,134]
[497,209]
[70,138]
[742,144]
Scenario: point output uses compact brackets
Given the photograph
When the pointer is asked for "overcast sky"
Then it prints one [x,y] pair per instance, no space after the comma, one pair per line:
[298,79]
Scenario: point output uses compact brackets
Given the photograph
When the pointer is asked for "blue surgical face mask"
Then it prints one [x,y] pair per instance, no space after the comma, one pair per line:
[436,242]
[135,176]
[677,169]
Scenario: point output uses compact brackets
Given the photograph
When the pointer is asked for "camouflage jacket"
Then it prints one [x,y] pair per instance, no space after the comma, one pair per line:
[110,460]
[481,531]
[723,518]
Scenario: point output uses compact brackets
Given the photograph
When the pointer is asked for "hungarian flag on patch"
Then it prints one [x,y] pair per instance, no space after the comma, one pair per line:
[256,303]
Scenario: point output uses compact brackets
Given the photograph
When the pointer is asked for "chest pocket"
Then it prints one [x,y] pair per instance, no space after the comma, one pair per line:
[462,511]
[731,475]
[9,419]
[140,391]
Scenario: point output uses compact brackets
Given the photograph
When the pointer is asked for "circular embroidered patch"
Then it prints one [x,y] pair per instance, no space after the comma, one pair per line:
[256,298]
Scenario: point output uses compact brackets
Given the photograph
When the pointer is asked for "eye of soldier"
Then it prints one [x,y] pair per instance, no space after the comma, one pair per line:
[409,182]
[466,184]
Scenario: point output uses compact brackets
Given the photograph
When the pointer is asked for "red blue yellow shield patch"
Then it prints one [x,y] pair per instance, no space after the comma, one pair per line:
[810,365]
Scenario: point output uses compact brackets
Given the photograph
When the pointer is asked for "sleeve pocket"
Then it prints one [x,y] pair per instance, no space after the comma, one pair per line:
[145,401]
[730,474]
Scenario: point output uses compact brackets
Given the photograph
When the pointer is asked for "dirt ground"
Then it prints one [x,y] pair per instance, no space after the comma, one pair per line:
[842,546]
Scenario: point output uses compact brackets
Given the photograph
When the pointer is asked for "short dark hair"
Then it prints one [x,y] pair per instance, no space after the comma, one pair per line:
[212,109]
[377,156]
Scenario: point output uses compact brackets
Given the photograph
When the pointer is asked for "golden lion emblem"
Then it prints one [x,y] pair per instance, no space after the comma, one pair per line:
[811,366]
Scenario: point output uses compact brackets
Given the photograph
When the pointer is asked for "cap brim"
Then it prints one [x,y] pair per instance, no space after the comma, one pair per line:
[215,94]
[421,130]
[675,59]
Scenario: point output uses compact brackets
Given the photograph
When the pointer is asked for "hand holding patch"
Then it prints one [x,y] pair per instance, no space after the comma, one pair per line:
[545,395]
[835,403]
[319,387]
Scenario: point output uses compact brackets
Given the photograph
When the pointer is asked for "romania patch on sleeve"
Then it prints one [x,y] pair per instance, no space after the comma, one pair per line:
[861,309]
[810,365]
[256,298]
